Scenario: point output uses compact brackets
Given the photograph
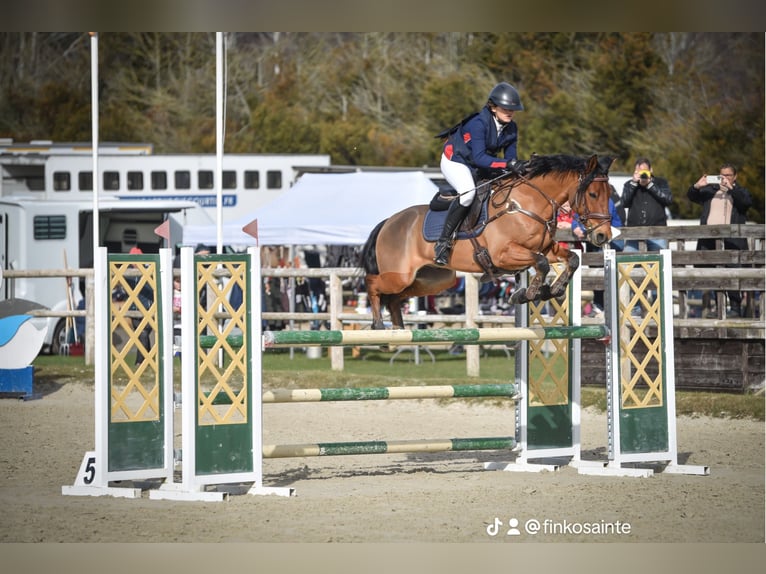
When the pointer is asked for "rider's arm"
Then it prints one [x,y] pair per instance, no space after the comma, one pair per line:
[476,134]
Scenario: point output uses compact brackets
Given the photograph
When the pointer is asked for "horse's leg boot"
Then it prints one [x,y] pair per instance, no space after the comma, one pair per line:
[443,246]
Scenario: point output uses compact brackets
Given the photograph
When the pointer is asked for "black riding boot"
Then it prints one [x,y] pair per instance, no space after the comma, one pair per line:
[443,246]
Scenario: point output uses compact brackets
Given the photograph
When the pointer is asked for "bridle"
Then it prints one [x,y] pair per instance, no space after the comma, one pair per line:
[505,204]
[580,205]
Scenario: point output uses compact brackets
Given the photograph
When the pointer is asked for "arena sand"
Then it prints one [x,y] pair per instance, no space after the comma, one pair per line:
[445,497]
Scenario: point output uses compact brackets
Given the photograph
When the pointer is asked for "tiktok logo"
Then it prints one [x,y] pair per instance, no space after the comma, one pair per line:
[493,528]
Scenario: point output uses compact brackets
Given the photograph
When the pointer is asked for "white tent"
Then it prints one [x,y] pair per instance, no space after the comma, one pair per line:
[324,209]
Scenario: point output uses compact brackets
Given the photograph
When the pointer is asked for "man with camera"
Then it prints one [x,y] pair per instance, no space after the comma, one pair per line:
[646,197]
[726,202]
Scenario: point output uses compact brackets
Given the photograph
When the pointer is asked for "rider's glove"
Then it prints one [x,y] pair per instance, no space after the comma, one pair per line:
[516,166]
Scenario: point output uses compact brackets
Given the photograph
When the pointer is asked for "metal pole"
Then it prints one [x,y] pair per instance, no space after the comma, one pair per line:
[219,140]
[94,128]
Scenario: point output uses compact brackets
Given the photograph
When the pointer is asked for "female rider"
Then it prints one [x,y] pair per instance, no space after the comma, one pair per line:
[470,149]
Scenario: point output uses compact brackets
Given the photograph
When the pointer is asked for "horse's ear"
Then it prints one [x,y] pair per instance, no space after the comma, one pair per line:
[591,164]
[604,163]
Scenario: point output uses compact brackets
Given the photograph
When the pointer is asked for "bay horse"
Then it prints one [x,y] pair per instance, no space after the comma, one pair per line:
[517,233]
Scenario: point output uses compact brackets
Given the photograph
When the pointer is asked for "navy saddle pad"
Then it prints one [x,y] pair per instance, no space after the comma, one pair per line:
[434,222]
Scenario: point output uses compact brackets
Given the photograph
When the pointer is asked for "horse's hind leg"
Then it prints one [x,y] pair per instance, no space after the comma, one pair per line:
[373,298]
[395,309]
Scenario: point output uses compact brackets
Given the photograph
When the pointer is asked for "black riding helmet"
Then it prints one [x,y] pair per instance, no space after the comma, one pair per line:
[505,96]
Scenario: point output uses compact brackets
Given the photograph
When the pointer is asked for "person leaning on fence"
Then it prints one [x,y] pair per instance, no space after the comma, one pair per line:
[565,220]
[646,197]
[725,202]
[471,150]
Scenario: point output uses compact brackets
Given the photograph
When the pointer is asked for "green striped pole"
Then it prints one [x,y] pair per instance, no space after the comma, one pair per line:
[389,393]
[387,447]
[275,339]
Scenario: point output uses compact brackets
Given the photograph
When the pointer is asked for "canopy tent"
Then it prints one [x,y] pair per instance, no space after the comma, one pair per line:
[324,209]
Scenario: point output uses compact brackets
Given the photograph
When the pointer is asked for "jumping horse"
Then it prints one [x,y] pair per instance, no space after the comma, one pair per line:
[514,233]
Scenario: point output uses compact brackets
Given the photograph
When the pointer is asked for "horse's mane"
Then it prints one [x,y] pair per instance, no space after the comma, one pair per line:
[561,164]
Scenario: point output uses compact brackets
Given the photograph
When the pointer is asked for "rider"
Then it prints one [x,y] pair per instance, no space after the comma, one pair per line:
[473,145]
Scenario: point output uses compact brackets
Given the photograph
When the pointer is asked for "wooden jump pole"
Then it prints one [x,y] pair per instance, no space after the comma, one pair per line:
[277,339]
[388,447]
[508,390]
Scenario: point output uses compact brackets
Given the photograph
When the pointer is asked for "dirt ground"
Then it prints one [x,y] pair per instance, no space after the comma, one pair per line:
[445,497]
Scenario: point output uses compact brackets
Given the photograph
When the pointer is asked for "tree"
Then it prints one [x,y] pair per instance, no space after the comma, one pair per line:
[689,101]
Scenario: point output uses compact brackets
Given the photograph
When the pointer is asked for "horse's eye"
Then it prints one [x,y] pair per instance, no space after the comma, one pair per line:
[593,195]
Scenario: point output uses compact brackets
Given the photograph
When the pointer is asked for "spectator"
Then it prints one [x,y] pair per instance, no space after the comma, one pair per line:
[565,220]
[725,202]
[177,297]
[646,197]
[619,209]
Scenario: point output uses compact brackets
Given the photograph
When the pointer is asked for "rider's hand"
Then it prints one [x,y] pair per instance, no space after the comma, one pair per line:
[516,166]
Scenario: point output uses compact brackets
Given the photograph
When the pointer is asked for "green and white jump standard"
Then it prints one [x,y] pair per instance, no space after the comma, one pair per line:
[641,418]
[547,414]
[133,402]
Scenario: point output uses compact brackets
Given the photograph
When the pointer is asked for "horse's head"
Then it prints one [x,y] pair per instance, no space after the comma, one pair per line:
[590,200]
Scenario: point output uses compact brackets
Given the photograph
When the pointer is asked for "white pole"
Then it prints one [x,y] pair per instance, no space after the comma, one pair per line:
[94,127]
[100,288]
[219,155]
[219,139]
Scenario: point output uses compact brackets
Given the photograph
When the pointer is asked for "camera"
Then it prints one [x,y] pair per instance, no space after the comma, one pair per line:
[714,180]
[644,175]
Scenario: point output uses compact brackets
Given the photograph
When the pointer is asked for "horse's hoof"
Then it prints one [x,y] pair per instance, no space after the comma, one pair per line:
[518,297]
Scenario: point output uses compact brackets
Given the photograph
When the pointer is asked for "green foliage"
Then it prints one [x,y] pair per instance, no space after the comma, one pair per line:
[688,101]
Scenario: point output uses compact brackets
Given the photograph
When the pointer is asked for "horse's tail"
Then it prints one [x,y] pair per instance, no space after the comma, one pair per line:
[368,259]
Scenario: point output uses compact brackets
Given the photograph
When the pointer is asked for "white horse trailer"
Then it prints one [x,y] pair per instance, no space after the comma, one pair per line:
[132,171]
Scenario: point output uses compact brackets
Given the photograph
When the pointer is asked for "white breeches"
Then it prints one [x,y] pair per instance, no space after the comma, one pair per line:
[459,176]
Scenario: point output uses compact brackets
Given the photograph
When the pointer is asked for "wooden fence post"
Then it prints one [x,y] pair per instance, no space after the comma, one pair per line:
[336,308]
[472,352]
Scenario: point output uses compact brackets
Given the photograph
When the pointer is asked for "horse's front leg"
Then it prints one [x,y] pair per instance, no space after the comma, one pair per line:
[537,287]
[559,287]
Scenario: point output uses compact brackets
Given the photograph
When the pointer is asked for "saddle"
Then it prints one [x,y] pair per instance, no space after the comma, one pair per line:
[472,226]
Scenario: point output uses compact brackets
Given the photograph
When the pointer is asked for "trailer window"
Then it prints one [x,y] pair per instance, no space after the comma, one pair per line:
[111,180]
[61,181]
[135,180]
[85,180]
[49,227]
[183,179]
[252,179]
[204,179]
[274,180]
[229,180]
[159,180]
